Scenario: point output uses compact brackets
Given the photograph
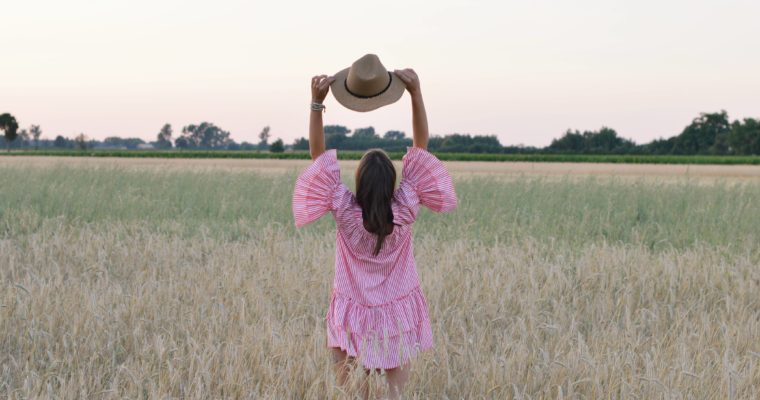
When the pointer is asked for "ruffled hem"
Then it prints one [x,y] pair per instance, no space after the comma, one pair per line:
[384,336]
[401,315]
[382,352]
[429,180]
[315,188]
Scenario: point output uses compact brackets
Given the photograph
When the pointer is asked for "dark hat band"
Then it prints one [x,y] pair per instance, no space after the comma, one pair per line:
[390,80]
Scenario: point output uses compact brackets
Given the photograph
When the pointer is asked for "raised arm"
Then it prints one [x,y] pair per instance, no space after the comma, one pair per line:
[419,116]
[320,85]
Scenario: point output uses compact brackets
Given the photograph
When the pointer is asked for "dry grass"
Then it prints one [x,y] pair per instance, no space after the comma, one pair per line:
[155,283]
[458,168]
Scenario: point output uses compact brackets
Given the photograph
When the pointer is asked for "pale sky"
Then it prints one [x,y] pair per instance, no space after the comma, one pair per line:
[524,71]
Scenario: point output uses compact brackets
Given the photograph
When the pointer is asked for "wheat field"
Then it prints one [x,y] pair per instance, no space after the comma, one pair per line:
[171,280]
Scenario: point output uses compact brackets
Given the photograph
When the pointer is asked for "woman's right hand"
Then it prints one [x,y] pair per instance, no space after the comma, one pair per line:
[320,86]
[410,79]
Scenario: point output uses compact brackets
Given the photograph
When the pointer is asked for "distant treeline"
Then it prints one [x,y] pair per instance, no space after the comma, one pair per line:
[337,137]
[398,155]
[707,134]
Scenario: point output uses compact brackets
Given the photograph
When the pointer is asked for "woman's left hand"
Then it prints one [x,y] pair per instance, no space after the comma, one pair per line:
[320,86]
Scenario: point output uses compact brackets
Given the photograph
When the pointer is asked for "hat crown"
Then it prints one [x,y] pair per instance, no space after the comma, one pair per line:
[366,85]
[367,76]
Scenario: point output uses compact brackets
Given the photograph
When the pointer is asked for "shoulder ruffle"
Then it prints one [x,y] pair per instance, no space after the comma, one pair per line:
[425,180]
[315,188]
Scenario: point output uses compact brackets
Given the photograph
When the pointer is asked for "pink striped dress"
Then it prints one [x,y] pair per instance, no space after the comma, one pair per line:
[377,310]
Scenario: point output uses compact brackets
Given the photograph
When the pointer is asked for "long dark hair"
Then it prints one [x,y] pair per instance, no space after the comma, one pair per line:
[375,181]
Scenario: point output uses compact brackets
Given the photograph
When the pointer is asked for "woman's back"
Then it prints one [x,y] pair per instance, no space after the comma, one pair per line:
[375,295]
[378,312]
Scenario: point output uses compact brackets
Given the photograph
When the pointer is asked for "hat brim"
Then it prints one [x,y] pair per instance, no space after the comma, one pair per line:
[338,89]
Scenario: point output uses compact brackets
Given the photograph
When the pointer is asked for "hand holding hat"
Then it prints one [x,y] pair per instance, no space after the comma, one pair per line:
[320,85]
[410,79]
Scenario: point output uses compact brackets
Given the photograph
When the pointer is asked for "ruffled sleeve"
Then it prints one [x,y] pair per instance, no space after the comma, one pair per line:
[316,188]
[426,181]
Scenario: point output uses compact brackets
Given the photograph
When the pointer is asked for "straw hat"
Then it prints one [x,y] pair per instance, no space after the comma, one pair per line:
[366,85]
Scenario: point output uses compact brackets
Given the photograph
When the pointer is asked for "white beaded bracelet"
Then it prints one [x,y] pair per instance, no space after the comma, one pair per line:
[318,107]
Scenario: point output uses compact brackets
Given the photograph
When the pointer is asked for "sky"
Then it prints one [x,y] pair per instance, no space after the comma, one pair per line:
[525,71]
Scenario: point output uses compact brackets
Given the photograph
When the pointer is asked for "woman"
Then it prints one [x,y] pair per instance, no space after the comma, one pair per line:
[378,314]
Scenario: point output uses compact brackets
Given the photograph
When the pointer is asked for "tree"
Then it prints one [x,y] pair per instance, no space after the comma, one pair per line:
[363,138]
[301,144]
[24,136]
[264,137]
[129,143]
[81,141]
[394,135]
[365,133]
[277,146]
[164,137]
[572,142]
[181,142]
[707,134]
[9,126]
[603,141]
[744,138]
[434,142]
[206,135]
[339,130]
[335,135]
[60,142]
[36,133]
[606,140]
[465,143]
